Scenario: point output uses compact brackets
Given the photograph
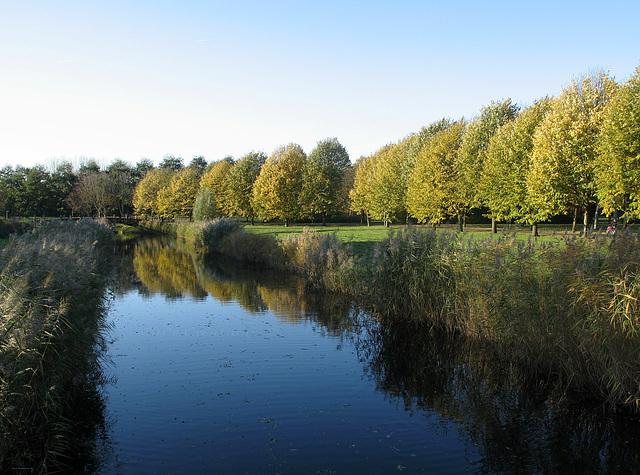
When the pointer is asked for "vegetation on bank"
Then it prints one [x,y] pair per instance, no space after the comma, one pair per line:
[566,309]
[53,288]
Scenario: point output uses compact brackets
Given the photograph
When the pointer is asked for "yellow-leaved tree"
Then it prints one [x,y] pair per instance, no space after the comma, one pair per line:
[277,190]
[618,166]
[565,148]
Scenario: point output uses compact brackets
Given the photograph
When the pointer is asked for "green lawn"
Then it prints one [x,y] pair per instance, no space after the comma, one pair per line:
[363,238]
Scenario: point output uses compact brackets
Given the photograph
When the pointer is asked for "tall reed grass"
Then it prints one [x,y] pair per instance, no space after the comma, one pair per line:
[569,310]
[323,260]
[51,331]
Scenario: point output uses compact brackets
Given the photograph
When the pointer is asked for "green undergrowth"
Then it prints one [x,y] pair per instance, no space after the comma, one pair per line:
[52,283]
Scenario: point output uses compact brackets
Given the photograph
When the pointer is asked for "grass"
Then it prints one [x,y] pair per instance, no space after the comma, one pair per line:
[362,239]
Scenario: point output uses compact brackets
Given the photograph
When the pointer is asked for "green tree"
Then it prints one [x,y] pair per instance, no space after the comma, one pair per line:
[199,162]
[240,182]
[473,149]
[618,166]
[434,188]
[142,167]
[172,163]
[323,179]
[205,205]
[565,148]
[277,190]
[503,182]
[60,187]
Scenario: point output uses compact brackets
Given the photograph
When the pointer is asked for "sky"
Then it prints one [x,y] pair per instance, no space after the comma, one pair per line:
[143,79]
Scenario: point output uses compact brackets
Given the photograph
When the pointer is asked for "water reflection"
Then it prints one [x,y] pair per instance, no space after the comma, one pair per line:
[516,425]
[519,425]
[171,268]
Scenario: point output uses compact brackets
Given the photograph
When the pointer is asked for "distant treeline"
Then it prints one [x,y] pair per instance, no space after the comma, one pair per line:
[575,154]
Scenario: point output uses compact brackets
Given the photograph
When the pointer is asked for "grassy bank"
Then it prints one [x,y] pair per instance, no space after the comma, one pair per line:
[53,282]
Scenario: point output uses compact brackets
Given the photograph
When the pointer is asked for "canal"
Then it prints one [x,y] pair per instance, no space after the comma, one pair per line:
[215,368]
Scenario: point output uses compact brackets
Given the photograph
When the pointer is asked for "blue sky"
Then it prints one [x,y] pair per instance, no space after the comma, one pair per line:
[125,79]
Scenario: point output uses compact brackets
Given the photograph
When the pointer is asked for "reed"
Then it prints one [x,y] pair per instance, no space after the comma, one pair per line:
[569,310]
[323,260]
[51,331]
[207,235]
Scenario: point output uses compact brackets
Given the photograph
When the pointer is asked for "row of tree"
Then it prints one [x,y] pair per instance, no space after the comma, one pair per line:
[576,152]
[288,185]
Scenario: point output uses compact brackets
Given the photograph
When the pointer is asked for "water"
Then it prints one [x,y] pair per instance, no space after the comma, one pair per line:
[218,370]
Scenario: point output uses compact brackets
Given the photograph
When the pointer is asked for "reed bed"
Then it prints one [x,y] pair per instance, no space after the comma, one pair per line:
[568,310]
[52,283]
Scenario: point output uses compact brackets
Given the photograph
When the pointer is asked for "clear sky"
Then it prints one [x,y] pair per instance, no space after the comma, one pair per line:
[132,79]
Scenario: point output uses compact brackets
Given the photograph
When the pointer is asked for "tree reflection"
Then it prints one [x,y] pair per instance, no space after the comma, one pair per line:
[519,426]
[172,269]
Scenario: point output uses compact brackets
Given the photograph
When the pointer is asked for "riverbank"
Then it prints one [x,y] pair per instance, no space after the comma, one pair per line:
[53,283]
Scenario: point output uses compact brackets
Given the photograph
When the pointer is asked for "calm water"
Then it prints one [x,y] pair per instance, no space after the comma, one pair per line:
[214,369]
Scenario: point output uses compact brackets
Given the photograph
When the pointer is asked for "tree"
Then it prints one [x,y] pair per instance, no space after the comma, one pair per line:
[361,194]
[172,163]
[60,186]
[473,149]
[565,148]
[323,177]
[177,199]
[618,165]
[240,182]
[388,189]
[142,167]
[433,192]
[122,177]
[199,162]
[92,192]
[145,196]
[205,205]
[507,162]
[277,190]
[215,179]
[89,165]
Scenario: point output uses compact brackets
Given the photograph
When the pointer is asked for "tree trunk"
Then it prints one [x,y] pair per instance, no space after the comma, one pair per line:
[368,221]
[585,226]
[460,228]
[534,230]
[286,223]
[575,219]
[596,217]
[494,226]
